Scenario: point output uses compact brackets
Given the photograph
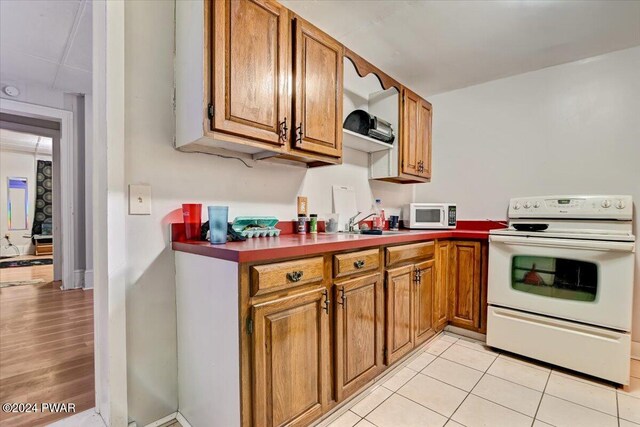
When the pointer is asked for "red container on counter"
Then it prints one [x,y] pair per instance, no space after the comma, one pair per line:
[192,216]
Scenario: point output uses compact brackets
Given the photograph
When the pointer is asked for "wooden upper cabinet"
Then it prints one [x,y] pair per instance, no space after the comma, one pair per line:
[251,69]
[465,286]
[318,75]
[290,360]
[399,312]
[416,135]
[423,301]
[359,315]
[440,305]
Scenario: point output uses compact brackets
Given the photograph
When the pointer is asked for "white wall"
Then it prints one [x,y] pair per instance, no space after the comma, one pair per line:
[176,178]
[568,129]
[18,164]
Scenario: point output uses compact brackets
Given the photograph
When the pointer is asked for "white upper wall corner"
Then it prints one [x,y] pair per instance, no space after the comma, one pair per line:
[47,43]
[439,46]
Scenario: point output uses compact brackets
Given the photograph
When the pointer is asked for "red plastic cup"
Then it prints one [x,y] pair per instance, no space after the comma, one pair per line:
[192,216]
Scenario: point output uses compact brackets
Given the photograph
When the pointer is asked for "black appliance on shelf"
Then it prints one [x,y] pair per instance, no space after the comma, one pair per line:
[366,124]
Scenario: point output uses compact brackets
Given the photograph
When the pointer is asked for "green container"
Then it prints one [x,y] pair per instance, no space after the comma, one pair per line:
[256,226]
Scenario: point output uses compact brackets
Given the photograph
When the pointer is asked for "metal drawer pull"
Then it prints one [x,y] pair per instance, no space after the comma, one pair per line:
[359,263]
[294,276]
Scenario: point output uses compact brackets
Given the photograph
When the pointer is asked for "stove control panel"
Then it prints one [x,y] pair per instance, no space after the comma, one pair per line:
[569,207]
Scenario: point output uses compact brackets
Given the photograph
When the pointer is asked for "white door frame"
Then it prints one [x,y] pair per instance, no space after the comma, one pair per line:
[67,172]
[109,212]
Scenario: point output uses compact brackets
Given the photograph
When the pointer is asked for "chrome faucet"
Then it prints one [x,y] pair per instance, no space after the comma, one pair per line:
[352,221]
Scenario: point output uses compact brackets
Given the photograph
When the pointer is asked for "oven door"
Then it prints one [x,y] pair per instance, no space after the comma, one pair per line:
[583,280]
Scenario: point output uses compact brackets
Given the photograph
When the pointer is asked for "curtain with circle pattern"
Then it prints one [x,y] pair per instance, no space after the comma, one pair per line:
[43,215]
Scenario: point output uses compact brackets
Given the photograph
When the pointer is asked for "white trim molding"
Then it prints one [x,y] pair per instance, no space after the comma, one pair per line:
[182,420]
[66,146]
[88,279]
[78,279]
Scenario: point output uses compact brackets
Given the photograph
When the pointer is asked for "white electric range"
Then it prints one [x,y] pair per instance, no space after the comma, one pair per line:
[561,283]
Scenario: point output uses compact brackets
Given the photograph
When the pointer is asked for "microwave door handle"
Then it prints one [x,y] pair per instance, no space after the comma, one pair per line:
[596,245]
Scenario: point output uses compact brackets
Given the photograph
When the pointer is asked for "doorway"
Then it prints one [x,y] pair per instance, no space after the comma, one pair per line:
[28,203]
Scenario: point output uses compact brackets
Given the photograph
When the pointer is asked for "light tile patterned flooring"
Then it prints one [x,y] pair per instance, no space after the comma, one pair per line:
[455,381]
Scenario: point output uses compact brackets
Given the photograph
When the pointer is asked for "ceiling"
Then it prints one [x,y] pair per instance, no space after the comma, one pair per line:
[438,46]
[47,43]
[18,141]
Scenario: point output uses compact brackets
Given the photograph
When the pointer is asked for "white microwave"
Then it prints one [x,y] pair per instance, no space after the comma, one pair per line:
[429,215]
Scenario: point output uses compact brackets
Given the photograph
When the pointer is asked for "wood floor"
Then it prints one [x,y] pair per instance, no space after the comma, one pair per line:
[46,348]
[44,272]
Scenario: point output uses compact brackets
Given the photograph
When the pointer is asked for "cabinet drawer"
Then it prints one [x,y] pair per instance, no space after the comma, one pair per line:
[274,277]
[355,262]
[398,254]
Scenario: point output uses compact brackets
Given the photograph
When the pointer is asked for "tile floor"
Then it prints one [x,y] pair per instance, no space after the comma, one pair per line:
[455,381]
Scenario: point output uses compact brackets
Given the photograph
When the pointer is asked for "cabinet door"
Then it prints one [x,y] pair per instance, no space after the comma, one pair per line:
[440,305]
[399,312]
[359,332]
[465,285]
[291,360]
[416,135]
[318,95]
[423,301]
[424,139]
[251,69]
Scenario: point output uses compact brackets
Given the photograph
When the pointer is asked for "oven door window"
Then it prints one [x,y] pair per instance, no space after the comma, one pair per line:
[429,215]
[553,277]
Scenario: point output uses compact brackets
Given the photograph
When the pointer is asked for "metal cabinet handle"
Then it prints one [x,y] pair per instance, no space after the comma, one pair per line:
[295,276]
[327,301]
[283,129]
[299,133]
[418,277]
[359,263]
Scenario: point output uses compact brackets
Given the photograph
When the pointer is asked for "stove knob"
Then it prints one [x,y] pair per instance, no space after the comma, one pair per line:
[527,205]
[606,204]
[620,204]
[516,206]
[536,205]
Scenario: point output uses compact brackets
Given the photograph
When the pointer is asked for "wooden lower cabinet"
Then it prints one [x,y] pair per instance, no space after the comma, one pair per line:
[359,306]
[399,312]
[291,359]
[426,277]
[409,308]
[465,285]
[440,287]
[314,345]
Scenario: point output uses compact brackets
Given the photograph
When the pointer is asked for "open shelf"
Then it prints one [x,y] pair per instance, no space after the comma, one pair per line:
[363,143]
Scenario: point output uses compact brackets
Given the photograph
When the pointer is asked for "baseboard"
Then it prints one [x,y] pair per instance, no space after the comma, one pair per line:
[182,420]
[78,279]
[466,333]
[163,420]
[88,279]
[635,350]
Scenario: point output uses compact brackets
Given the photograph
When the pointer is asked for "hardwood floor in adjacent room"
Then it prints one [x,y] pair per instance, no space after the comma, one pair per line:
[35,272]
[46,350]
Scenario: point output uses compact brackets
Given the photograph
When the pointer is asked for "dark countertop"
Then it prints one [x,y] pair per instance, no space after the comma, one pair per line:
[295,245]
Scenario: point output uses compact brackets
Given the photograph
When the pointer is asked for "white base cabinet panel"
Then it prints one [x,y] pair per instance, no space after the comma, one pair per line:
[208,340]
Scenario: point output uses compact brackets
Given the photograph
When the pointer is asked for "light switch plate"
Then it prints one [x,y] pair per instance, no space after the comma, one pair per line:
[139,199]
